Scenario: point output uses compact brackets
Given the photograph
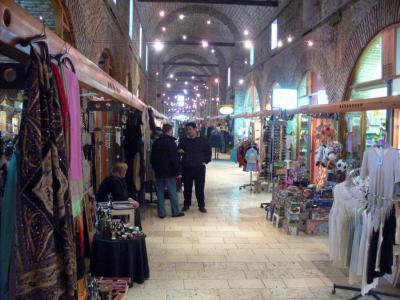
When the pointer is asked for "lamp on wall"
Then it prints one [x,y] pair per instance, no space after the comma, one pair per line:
[226,109]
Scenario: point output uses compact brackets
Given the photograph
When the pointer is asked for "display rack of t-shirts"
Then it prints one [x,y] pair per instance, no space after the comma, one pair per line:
[362,222]
[274,139]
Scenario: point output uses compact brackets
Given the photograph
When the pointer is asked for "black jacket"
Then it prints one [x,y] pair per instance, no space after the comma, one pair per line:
[164,157]
[197,152]
[116,186]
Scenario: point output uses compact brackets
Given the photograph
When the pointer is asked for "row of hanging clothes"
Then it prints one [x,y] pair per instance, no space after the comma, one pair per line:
[363,221]
[44,184]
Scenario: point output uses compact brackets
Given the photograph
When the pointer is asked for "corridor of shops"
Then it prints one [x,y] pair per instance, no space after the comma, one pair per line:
[199,149]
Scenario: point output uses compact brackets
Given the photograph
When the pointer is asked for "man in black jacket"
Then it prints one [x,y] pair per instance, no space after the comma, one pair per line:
[166,165]
[196,153]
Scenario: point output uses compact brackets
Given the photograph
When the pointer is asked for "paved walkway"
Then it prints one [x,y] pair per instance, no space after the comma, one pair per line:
[232,252]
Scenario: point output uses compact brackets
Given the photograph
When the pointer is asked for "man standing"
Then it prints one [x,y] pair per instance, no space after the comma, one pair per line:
[166,165]
[196,152]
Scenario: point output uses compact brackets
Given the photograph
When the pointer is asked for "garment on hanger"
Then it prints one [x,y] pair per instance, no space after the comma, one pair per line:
[45,245]
[251,159]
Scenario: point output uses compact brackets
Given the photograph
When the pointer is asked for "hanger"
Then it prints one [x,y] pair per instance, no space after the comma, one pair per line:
[65,58]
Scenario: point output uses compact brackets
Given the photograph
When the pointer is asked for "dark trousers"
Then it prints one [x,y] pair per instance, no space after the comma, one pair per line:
[198,175]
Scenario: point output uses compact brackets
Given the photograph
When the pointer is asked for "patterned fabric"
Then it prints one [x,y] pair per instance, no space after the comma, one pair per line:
[45,257]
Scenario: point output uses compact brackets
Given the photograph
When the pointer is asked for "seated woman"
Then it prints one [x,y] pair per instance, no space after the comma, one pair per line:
[115,185]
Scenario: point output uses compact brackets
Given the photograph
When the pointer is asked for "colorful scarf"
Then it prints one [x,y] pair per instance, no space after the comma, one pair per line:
[45,255]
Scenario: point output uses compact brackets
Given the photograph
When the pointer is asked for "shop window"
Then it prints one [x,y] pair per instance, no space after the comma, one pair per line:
[105,62]
[369,66]
[229,76]
[131,19]
[274,34]
[140,40]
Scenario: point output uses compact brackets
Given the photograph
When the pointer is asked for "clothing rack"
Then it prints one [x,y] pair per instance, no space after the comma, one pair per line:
[373,293]
[251,184]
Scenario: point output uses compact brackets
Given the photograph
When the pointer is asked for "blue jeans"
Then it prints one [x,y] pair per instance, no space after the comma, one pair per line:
[173,196]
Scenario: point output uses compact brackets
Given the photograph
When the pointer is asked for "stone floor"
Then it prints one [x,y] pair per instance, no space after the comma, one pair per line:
[232,252]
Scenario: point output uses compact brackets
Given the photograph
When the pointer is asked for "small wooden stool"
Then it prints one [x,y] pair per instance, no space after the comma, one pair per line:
[276,218]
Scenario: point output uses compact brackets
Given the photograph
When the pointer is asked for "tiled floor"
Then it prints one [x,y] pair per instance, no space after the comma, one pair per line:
[232,252]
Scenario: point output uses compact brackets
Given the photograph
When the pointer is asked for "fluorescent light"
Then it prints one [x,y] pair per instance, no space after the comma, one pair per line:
[204,43]
[158,45]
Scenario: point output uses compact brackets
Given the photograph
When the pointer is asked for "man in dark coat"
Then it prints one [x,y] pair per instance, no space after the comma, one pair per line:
[196,153]
[166,166]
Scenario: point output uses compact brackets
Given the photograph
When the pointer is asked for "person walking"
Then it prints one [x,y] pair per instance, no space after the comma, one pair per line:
[196,153]
[166,166]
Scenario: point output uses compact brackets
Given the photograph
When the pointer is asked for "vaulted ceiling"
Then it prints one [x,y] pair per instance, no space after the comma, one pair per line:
[216,23]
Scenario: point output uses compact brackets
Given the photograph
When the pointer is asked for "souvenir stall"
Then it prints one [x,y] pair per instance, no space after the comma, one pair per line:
[61,93]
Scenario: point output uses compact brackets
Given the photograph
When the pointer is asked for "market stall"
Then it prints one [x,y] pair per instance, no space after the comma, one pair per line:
[84,133]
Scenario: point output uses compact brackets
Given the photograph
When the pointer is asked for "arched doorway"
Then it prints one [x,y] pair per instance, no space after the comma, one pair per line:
[374,75]
[311,90]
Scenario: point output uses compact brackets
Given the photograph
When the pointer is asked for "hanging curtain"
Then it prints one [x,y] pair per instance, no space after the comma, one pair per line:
[45,246]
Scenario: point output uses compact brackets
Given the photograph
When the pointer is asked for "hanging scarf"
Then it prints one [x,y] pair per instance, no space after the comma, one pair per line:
[45,256]
[75,139]
[8,225]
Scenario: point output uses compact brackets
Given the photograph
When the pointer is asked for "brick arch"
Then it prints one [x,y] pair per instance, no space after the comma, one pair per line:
[188,57]
[382,15]
[198,9]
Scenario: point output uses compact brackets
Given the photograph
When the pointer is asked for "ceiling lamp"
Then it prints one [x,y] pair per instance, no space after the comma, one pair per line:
[184,37]
[280,44]
[163,29]
[168,85]
[158,45]
[192,77]
[290,39]
[171,75]
[157,73]
[248,44]
[226,109]
[246,32]
[241,81]
[181,17]
[161,13]
[208,22]
[216,80]
[186,83]
[310,43]
[245,61]
[212,50]
[163,94]
[204,43]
